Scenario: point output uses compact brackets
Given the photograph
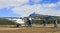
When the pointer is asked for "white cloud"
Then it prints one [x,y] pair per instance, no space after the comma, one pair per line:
[26,10]
[58,3]
[49,5]
[7,3]
[36,1]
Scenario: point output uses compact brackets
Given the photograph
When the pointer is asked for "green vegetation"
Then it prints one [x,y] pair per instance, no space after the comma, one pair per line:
[48,21]
[4,21]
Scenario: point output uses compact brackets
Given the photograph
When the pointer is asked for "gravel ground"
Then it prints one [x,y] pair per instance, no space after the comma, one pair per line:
[47,29]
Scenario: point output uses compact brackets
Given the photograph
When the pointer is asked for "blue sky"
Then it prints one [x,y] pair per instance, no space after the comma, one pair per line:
[4,12]
[18,8]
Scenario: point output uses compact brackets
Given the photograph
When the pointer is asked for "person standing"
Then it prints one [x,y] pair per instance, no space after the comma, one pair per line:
[55,23]
[44,23]
[17,25]
[29,22]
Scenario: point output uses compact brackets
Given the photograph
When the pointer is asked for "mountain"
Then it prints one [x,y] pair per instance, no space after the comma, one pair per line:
[34,15]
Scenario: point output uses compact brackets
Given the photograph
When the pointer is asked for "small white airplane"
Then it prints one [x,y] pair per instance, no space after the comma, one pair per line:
[19,21]
[22,22]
